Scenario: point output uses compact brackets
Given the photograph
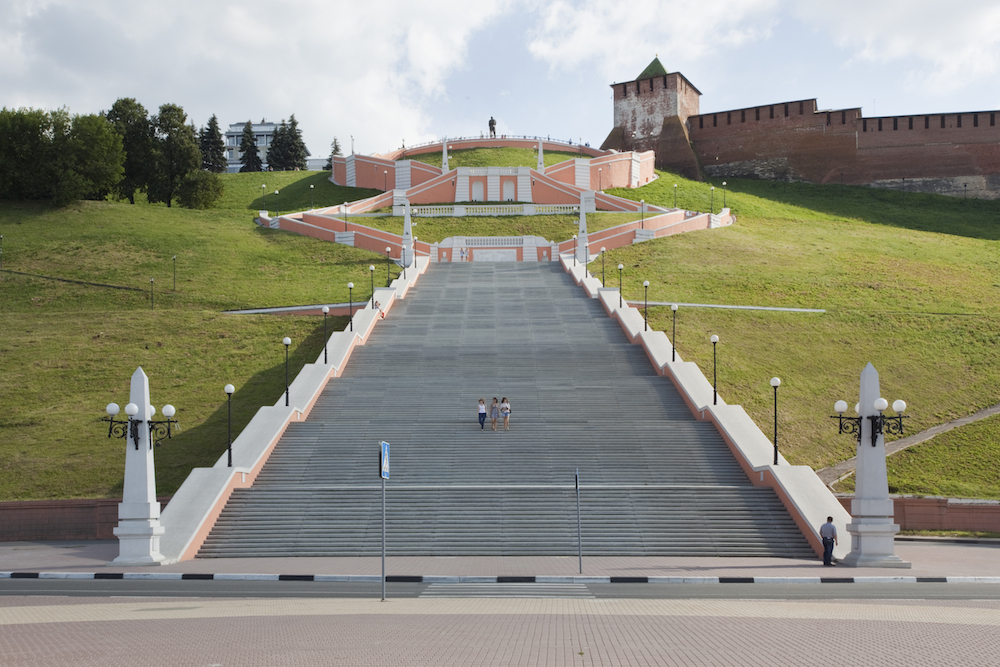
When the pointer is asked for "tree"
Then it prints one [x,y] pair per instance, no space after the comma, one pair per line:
[132,124]
[250,158]
[213,148]
[334,150]
[88,158]
[199,189]
[279,153]
[175,153]
[297,152]
[24,150]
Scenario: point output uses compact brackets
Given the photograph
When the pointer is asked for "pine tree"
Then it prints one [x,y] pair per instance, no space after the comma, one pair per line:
[334,151]
[297,152]
[213,148]
[248,147]
[279,151]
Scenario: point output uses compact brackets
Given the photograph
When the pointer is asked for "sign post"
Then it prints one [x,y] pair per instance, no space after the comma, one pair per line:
[579,532]
[384,474]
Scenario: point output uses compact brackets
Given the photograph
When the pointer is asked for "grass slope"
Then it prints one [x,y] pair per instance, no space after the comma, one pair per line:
[69,349]
[909,284]
[495,157]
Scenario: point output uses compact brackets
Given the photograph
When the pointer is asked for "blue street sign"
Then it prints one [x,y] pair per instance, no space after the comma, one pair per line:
[385,460]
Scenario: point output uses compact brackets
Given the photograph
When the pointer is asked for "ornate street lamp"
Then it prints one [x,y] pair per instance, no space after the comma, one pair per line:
[229,389]
[880,423]
[388,250]
[371,272]
[130,427]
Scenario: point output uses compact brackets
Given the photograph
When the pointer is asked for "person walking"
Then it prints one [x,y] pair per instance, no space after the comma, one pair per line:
[493,128]
[482,415]
[494,413]
[505,411]
[828,532]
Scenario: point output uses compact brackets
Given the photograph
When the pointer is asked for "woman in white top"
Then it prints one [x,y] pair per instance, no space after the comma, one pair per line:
[505,411]
[482,415]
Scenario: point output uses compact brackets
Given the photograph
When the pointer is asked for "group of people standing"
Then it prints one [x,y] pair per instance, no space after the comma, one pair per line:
[496,411]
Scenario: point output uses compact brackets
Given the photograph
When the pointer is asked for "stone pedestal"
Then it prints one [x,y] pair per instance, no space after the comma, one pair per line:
[139,528]
[872,529]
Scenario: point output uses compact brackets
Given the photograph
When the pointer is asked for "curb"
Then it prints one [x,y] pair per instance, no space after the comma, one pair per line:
[543,579]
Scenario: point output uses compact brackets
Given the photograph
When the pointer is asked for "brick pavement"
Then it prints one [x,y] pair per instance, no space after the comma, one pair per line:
[929,559]
[772,633]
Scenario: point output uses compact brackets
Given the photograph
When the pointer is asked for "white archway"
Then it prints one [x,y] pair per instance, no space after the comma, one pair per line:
[477,191]
[508,190]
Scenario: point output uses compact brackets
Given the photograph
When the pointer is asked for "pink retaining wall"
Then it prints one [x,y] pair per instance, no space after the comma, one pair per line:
[913,513]
[74,519]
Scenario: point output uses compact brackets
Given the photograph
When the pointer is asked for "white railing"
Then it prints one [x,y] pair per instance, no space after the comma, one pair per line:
[550,209]
[432,211]
[460,210]
[479,171]
[494,241]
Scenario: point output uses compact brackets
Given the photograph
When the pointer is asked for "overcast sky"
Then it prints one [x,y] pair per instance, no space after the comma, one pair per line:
[386,71]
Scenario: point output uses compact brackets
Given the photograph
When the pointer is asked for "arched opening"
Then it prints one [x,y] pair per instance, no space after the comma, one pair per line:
[508,190]
[477,191]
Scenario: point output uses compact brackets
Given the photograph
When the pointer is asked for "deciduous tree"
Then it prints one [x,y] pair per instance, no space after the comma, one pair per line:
[175,153]
[132,124]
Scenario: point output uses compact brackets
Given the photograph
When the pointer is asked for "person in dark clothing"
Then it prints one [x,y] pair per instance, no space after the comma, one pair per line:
[493,128]
[828,532]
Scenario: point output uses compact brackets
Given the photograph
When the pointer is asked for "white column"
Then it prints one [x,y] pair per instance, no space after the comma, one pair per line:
[541,160]
[444,155]
[139,528]
[872,529]
[407,257]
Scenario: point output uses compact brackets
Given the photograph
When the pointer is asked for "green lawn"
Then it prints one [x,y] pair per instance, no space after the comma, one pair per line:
[550,227]
[495,157]
[909,284]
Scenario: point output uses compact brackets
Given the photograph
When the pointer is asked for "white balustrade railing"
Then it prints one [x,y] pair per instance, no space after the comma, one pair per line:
[494,241]
[460,210]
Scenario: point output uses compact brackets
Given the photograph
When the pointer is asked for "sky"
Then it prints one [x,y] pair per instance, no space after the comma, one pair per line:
[389,71]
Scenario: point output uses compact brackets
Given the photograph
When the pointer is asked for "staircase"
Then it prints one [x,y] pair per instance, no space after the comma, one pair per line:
[654,481]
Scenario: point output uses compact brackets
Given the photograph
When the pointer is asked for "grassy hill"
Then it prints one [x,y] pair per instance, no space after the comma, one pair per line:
[909,284]
[495,157]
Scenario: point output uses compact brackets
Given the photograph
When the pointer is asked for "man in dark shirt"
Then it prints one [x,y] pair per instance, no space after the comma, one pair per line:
[828,532]
[493,128]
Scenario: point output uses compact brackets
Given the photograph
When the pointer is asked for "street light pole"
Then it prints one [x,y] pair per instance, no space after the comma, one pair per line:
[175,273]
[326,309]
[151,294]
[371,272]
[385,180]
[715,376]
[263,195]
[645,305]
[277,209]
[642,209]
[312,198]
[286,341]
[675,195]
[350,302]
[1,251]
[600,180]
[602,266]
[711,208]
[723,194]
[229,400]
[620,267]
[388,250]
[775,382]
[673,338]
[574,249]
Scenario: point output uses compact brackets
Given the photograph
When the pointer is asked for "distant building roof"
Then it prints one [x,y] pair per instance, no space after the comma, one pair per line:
[654,68]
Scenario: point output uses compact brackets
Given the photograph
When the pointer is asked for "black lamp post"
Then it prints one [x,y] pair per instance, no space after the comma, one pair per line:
[350,302]
[175,273]
[775,382]
[645,305]
[642,212]
[600,180]
[675,195]
[574,249]
[151,294]
[286,341]
[603,249]
[673,338]
[388,250]
[620,267]
[715,375]
[277,209]
[723,194]
[263,195]
[1,251]
[385,180]
[711,208]
[326,310]
[371,272]
[312,198]
[229,400]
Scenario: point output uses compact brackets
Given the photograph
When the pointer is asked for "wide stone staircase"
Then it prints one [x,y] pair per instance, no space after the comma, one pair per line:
[654,481]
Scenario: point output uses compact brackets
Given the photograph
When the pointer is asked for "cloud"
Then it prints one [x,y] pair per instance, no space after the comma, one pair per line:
[612,38]
[933,45]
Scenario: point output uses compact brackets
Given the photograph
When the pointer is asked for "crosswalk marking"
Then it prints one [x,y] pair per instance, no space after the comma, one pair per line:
[507,591]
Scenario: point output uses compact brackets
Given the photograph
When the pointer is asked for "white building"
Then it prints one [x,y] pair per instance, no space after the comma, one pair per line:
[264,134]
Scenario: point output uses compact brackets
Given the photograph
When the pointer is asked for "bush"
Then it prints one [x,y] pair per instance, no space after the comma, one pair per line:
[199,189]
